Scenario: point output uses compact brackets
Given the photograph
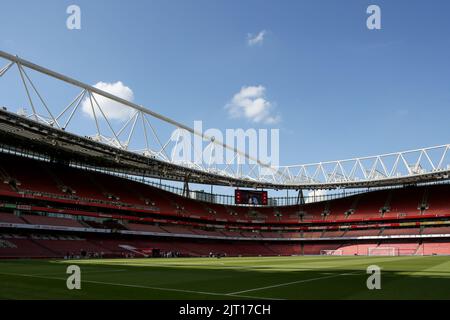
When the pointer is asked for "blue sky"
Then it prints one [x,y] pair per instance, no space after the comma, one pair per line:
[339,89]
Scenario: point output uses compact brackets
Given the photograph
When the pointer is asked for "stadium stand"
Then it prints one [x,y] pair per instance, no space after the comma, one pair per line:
[10,218]
[436,230]
[42,220]
[77,208]
[412,231]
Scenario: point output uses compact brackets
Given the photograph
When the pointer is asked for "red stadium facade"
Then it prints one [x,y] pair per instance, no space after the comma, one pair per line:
[49,209]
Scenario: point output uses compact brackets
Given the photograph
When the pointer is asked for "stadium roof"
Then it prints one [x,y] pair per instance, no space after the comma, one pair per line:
[43,132]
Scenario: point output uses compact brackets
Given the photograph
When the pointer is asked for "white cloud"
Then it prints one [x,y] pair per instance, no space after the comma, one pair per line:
[113,110]
[251,103]
[253,40]
[318,195]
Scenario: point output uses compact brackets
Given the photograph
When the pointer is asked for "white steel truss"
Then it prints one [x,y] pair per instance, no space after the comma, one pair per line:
[143,131]
[388,166]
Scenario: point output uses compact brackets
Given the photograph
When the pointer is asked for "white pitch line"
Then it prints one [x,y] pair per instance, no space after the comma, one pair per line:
[224,266]
[142,287]
[290,283]
[83,272]
[251,297]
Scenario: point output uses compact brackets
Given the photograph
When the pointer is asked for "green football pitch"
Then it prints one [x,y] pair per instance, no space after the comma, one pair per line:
[312,277]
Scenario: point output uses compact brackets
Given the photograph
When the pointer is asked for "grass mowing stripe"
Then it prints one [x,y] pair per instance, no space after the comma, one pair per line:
[115,284]
[282,278]
[141,287]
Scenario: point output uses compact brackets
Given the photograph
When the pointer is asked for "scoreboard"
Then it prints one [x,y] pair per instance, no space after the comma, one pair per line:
[250,197]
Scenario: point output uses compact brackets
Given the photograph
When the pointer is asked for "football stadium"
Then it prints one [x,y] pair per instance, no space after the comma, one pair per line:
[107,198]
[71,199]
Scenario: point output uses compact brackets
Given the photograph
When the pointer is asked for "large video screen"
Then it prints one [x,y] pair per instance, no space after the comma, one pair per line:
[250,197]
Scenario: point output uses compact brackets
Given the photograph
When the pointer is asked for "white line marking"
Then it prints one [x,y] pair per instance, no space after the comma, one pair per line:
[143,287]
[251,297]
[82,271]
[289,283]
